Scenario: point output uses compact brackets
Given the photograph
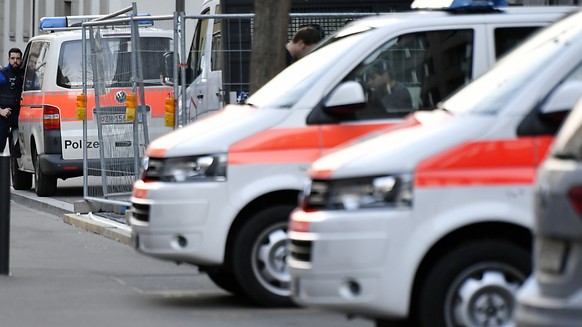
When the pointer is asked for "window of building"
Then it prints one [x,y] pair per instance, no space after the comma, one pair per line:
[26,24]
[12,21]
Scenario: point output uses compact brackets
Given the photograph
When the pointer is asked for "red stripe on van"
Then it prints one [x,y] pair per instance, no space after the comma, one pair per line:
[277,146]
[485,163]
[66,101]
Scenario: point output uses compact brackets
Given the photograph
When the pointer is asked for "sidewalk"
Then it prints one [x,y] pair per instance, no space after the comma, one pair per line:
[106,227]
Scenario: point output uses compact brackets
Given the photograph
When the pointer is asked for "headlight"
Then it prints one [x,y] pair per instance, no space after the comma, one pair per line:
[359,193]
[186,169]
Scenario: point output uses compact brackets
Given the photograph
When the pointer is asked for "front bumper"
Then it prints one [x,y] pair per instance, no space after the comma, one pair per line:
[171,221]
[55,165]
[538,310]
[353,262]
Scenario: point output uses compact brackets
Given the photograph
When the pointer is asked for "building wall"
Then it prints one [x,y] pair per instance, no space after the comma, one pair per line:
[19,19]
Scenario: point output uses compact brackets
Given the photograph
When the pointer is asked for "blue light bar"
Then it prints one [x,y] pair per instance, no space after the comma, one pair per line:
[458,5]
[144,22]
[64,22]
[47,23]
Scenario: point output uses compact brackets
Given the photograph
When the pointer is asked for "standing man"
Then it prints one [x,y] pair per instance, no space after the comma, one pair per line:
[11,78]
[303,41]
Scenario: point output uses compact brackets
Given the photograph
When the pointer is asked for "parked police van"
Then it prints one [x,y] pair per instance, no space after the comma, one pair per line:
[431,221]
[50,134]
[218,192]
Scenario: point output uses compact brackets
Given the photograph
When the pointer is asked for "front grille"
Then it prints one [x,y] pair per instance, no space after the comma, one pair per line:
[300,250]
[141,212]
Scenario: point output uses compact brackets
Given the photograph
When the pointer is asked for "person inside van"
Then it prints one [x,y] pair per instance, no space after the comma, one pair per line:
[11,79]
[30,80]
[303,41]
[386,95]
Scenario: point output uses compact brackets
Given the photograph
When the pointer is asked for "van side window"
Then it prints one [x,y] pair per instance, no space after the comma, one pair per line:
[216,60]
[196,60]
[414,72]
[508,37]
[114,60]
[547,118]
[35,66]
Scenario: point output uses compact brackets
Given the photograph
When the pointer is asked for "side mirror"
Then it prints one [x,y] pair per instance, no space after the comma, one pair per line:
[346,98]
[168,69]
[562,99]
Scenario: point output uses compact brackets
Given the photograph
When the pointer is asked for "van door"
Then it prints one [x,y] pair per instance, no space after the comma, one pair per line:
[204,94]
[31,107]
[409,73]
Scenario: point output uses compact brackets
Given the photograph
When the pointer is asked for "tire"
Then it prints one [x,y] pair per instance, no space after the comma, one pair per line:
[225,280]
[44,185]
[474,285]
[21,180]
[259,257]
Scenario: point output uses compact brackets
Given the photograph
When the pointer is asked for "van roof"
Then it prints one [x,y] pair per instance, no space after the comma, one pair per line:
[76,34]
[528,13]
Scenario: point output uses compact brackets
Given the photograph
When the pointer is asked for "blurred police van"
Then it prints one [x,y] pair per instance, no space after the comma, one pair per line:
[431,221]
[50,133]
[552,296]
[218,192]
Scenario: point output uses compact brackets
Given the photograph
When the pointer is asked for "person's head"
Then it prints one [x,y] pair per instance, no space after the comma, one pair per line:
[32,58]
[14,57]
[379,74]
[304,40]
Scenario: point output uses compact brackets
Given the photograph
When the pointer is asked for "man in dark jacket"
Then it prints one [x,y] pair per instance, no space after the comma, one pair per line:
[11,78]
[303,41]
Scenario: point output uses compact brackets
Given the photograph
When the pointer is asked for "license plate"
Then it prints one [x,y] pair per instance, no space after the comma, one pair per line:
[107,119]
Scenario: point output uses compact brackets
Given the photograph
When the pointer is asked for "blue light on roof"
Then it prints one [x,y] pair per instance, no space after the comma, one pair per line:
[458,5]
[148,22]
[52,22]
[64,22]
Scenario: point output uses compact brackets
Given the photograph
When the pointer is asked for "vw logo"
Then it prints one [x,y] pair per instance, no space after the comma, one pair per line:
[120,96]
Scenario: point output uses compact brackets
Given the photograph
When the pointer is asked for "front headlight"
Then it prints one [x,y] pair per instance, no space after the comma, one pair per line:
[186,169]
[359,193]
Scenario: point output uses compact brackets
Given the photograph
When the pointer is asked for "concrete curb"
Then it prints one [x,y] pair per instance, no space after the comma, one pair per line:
[99,227]
[89,222]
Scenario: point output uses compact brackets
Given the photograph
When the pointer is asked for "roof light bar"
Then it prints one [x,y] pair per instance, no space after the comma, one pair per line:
[458,5]
[69,22]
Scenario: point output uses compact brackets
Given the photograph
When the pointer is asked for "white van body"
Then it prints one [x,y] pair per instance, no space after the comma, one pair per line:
[431,221]
[218,193]
[50,134]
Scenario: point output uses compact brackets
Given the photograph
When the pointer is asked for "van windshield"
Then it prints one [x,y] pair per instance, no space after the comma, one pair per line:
[489,93]
[113,62]
[285,89]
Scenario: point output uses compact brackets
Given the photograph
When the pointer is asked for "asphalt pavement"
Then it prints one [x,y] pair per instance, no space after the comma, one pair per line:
[66,269]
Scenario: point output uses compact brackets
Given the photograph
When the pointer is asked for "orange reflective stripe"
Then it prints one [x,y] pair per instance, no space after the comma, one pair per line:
[483,163]
[301,144]
[66,101]
[277,146]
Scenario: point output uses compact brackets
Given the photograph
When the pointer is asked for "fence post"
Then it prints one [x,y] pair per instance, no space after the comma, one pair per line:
[4,214]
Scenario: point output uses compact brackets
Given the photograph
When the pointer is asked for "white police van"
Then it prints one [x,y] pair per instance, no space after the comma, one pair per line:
[50,133]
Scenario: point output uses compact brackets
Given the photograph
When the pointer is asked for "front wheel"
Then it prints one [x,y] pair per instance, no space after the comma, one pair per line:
[474,285]
[45,185]
[259,257]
